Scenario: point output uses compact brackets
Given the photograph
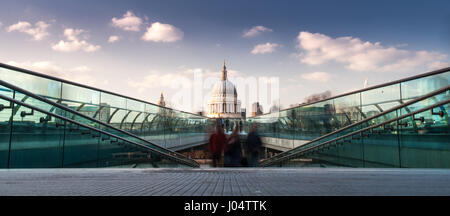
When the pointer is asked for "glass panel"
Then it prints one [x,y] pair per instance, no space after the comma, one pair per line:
[113,101]
[41,86]
[377,100]
[5,129]
[299,122]
[136,127]
[19,109]
[348,109]
[135,105]
[36,140]
[126,125]
[112,105]
[381,149]
[80,147]
[167,126]
[418,87]
[85,101]
[118,117]
[424,139]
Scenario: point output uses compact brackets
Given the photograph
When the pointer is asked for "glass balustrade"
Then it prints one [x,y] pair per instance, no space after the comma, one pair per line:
[300,125]
[160,125]
[418,138]
[392,113]
[307,122]
[35,138]
[31,99]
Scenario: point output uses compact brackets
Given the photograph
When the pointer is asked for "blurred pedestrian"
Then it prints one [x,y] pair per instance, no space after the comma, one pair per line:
[233,152]
[216,145]
[254,144]
[227,125]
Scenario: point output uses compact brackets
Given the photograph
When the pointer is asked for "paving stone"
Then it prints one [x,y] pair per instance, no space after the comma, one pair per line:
[224,181]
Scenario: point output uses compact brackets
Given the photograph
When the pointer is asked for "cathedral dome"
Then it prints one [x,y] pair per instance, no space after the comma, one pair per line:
[224,88]
[223,102]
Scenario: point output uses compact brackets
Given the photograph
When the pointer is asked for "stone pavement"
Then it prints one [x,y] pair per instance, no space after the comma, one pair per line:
[224,181]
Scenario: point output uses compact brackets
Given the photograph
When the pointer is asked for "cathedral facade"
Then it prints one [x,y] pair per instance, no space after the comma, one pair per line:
[224,101]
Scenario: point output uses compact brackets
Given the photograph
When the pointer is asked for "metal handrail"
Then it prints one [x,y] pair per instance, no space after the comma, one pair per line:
[287,157]
[81,114]
[170,157]
[365,120]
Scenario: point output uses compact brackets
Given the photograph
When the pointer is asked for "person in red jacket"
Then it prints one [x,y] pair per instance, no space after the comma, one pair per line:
[216,145]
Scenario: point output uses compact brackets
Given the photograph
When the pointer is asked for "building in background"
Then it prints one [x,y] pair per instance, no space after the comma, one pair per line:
[161,101]
[224,101]
[243,113]
[257,109]
[224,104]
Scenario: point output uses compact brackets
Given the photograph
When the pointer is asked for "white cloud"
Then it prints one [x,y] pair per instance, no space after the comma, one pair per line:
[265,48]
[38,31]
[74,43]
[129,22]
[159,32]
[113,39]
[256,30]
[158,79]
[80,74]
[46,67]
[438,65]
[155,79]
[360,55]
[317,76]
[81,69]
[186,88]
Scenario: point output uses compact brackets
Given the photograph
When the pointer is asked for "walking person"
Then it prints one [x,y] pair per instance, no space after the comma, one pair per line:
[216,145]
[227,125]
[254,144]
[233,148]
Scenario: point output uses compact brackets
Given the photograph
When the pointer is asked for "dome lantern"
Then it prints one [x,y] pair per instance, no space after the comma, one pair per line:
[224,72]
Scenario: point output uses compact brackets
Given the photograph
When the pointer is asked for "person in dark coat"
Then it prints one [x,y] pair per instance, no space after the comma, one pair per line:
[254,144]
[233,152]
[216,145]
[227,125]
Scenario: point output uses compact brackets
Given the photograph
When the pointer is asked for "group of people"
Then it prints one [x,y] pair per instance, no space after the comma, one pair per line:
[231,150]
[228,126]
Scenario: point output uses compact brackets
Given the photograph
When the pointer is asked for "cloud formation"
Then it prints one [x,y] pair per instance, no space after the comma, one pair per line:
[80,74]
[113,39]
[316,76]
[159,32]
[46,67]
[38,31]
[129,22]
[156,79]
[265,48]
[256,30]
[74,43]
[360,55]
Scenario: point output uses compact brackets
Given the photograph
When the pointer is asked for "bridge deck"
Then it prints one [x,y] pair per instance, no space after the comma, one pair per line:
[224,181]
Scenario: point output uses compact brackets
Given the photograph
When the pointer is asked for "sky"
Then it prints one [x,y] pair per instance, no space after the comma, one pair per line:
[143,48]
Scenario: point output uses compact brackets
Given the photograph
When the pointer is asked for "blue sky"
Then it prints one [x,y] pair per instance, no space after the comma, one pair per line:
[312,46]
